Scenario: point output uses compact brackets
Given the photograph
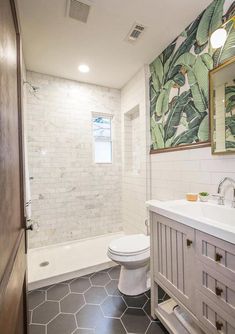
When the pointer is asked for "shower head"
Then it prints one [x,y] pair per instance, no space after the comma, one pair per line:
[34,88]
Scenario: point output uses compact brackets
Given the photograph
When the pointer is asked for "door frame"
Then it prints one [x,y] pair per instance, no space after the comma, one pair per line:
[15,15]
[22,232]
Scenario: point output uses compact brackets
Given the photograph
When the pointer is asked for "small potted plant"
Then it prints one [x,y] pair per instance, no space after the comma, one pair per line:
[204,196]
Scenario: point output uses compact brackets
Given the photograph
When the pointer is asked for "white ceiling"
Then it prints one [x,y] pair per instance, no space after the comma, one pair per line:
[56,44]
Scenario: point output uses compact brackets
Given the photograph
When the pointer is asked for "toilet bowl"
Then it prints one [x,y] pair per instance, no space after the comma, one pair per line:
[132,252]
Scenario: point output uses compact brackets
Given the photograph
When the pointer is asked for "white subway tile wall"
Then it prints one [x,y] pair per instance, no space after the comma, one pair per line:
[165,176]
[135,152]
[72,197]
[173,174]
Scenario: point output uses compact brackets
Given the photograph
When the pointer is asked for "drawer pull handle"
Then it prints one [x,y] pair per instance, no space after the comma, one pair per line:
[218,325]
[218,291]
[218,257]
[189,242]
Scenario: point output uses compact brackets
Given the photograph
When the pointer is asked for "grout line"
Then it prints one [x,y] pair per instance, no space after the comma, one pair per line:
[123,325]
[148,328]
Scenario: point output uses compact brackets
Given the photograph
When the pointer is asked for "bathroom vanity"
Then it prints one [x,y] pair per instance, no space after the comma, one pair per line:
[193,260]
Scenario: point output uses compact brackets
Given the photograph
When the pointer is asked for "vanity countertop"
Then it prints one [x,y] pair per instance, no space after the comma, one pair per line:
[211,218]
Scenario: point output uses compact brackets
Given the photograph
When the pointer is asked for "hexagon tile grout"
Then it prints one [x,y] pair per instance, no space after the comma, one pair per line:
[91,305]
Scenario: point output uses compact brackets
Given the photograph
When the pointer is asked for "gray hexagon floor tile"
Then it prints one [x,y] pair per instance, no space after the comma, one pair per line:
[80,285]
[45,288]
[110,326]
[84,331]
[37,329]
[161,293]
[72,303]
[90,316]
[136,301]
[113,306]
[114,272]
[100,279]
[58,291]
[112,288]
[62,324]
[45,312]
[91,305]
[156,328]
[135,320]
[147,308]
[95,295]
[35,298]
[147,293]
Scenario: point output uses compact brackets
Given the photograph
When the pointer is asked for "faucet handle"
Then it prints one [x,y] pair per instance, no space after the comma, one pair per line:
[220,198]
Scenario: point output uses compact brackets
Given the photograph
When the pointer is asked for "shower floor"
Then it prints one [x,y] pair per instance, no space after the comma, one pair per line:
[60,262]
[91,304]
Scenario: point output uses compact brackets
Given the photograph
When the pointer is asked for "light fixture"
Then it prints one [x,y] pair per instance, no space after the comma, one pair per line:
[83,68]
[218,38]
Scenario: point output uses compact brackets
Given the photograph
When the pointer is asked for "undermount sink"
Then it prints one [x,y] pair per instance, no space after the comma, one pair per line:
[208,217]
[220,214]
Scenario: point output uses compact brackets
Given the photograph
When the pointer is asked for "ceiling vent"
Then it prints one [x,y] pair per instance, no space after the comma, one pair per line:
[135,33]
[78,10]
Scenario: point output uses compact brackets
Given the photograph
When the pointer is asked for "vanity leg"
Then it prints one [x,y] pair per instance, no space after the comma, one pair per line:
[154,286]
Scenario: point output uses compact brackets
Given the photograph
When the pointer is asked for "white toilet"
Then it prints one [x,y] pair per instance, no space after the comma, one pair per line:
[132,252]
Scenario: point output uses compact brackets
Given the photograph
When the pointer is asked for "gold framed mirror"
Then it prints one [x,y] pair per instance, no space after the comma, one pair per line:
[222,108]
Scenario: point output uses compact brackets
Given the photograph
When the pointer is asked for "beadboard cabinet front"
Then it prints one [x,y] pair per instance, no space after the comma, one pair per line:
[174,255]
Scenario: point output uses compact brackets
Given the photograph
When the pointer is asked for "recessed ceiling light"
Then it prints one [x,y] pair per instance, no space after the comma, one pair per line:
[83,68]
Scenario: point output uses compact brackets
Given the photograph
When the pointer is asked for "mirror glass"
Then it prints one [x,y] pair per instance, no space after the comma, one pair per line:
[222,108]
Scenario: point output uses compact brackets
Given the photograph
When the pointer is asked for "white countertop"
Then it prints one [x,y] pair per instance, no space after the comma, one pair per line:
[211,218]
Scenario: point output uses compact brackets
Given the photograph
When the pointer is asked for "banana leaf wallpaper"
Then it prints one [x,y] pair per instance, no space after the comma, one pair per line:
[179,91]
[230,117]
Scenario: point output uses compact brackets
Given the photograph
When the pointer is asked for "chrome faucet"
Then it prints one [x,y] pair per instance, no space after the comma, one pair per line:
[220,186]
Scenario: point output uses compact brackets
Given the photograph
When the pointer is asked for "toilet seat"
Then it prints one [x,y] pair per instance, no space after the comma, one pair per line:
[130,245]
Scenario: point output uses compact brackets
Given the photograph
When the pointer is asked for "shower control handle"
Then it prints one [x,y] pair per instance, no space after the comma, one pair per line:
[30,227]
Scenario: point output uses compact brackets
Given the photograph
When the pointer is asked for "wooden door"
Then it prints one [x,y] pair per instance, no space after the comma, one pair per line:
[12,232]
[174,257]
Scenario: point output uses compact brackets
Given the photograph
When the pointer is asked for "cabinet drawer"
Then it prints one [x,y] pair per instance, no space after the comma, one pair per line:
[214,318]
[217,287]
[216,253]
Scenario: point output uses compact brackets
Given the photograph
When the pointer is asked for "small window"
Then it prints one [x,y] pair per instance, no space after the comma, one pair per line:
[102,134]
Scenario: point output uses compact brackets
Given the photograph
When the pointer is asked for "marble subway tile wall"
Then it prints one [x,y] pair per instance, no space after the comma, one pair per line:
[72,197]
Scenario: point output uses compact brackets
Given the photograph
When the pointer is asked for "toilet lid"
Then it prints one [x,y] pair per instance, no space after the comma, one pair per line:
[130,244]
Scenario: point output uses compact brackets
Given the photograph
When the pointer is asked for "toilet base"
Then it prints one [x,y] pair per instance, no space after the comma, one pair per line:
[133,282]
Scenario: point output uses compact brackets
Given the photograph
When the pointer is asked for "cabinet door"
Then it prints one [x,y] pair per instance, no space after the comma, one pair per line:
[174,257]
